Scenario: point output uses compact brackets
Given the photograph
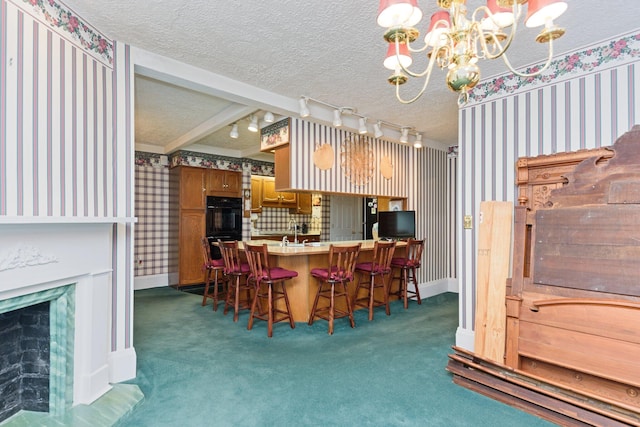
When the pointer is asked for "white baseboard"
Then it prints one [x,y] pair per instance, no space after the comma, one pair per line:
[465,338]
[152,281]
[437,287]
[122,365]
[91,387]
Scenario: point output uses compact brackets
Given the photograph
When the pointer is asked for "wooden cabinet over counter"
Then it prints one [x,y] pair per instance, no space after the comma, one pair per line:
[264,194]
[224,183]
[276,199]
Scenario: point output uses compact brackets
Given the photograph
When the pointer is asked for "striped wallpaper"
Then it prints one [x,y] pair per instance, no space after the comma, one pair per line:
[423,176]
[307,136]
[57,146]
[588,107]
[66,132]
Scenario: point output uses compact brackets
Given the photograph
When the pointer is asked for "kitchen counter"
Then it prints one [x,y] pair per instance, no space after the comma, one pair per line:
[277,235]
[302,258]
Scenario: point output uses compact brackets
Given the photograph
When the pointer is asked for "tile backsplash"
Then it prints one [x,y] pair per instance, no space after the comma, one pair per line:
[272,219]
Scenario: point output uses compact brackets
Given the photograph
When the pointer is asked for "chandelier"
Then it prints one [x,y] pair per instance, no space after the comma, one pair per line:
[456,42]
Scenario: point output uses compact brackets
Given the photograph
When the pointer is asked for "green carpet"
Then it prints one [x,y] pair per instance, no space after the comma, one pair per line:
[199,368]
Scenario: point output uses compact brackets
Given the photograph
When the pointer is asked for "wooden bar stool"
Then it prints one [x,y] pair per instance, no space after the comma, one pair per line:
[270,287]
[375,274]
[407,267]
[236,272]
[215,267]
[339,272]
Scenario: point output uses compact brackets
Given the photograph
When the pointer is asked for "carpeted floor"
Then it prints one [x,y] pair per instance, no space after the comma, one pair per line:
[197,367]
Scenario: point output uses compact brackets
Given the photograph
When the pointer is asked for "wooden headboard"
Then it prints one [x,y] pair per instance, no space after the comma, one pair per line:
[574,305]
[572,342]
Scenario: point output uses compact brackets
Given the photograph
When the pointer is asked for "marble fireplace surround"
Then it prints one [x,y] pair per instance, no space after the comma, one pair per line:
[68,264]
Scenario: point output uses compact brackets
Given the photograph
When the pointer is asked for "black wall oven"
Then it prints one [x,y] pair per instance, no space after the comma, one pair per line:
[224,220]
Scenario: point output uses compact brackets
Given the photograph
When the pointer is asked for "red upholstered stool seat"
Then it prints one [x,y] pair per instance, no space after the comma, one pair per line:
[270,288]
[407,268]
[373,275]
[239,290]
[215,267]
[332,284]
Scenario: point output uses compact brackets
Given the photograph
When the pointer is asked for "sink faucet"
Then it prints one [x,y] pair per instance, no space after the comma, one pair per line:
[285,241]
[295,230]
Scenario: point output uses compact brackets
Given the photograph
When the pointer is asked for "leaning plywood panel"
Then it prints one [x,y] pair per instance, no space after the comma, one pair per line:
[494,249]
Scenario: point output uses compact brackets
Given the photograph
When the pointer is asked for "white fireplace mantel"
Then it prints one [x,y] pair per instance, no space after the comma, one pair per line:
[37,254]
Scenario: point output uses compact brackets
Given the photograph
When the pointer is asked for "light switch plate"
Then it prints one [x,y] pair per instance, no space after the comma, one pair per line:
[468,222]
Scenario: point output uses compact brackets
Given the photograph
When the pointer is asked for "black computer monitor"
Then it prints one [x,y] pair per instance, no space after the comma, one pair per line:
[396,224]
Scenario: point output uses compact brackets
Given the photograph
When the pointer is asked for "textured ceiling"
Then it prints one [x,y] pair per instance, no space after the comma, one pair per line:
[328,50]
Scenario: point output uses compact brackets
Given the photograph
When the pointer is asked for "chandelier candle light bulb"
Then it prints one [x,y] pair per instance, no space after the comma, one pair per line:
[456,42]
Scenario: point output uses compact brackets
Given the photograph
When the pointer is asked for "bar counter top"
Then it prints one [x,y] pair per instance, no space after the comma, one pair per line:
[302,258]
[311,248]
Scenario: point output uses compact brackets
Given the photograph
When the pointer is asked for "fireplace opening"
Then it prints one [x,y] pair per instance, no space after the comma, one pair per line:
[25,360]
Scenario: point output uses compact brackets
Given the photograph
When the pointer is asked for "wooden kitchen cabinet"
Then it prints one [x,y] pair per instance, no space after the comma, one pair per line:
[224,183]
[187,214]
[276,199]
[192,230]
[303,204]
[191,184]
[256,194]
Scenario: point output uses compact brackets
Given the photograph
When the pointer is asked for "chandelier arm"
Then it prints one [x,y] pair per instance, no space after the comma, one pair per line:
[517,12]
[415,50]
[535,73]
[500,48]
[423,73]
[427,72]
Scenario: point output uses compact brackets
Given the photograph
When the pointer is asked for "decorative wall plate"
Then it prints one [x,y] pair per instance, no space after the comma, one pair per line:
[357,160]
[386,167]
[323,157]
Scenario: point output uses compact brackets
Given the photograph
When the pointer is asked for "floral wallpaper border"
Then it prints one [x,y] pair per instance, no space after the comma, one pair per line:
[203,160]
[623,49]
[64,20]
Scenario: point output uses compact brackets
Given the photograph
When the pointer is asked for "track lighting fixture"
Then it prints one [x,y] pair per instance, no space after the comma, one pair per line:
[304,110]
[377,130]
[362,125]
[337,118]
[253,126]
[404,136]
[339,112]
[234,131]
[268,117]
[418,142]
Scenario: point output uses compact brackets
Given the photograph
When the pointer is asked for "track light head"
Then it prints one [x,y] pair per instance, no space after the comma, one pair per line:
[362,125]
[234,131]
[304,110]
[337,118]
[253,126]
[404,136]
[418,142]
[377,130]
